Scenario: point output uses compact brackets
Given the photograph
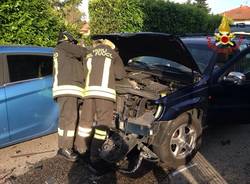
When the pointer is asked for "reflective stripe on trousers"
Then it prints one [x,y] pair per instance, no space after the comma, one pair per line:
[100,134]
[84,132]
[68,107]
[69,133]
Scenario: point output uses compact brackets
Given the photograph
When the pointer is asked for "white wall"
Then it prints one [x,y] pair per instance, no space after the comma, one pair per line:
[246,22]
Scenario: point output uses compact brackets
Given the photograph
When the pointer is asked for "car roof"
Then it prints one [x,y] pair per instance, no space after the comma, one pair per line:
[203,40]
[240,29]
[25,49]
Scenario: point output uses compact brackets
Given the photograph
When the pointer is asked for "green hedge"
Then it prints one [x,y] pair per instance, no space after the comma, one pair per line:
[107,16]
[35,22]
[29,22]
[115,16]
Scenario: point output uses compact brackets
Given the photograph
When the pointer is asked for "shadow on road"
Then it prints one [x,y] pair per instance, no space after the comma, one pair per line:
[79,173]
[148,173]
[224,156]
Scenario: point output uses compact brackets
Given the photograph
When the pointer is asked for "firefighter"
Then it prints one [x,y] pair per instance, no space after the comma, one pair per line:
[103,67]
[68,90]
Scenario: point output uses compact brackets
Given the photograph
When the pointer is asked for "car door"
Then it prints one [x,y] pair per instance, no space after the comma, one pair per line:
[4,126]
[31,109]
[230,102]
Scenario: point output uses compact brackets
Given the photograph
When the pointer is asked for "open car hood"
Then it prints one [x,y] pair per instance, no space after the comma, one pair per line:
[131,45]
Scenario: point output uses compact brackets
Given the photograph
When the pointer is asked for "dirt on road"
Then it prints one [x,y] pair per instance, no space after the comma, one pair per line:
[223,158]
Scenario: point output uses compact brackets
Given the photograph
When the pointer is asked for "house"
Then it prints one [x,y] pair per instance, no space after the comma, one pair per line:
[239,15]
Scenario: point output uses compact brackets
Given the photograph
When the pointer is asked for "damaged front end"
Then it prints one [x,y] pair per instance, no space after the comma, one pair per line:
[157,65]
[127,149]
[135,117]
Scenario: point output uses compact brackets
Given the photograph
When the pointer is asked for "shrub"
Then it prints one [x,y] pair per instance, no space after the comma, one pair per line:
[29,22]
[107,16]
[115,16]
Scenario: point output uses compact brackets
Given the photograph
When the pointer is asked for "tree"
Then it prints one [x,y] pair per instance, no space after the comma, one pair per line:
[68,10]
[29,22]
[202,4]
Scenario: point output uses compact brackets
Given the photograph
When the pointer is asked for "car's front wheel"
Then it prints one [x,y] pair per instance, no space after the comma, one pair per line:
[178,141]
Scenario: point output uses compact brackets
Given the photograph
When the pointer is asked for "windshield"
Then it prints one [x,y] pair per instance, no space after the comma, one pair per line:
[162,64]
[201,54]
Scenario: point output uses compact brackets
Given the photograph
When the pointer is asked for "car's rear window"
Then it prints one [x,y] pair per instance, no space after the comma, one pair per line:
[25,67]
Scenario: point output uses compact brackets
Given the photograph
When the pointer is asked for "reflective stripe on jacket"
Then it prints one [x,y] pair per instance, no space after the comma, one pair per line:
[68,90]
[102,67]
[68,70]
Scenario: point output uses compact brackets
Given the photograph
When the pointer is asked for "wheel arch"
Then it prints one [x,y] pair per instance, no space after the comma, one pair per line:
[194,114]
[189,106]
[165,130]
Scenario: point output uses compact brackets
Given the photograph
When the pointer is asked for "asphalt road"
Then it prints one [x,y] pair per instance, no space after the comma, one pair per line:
[224,158]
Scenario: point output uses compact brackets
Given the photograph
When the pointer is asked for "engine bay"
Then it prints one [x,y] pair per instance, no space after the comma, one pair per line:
[136,112]
[136,95]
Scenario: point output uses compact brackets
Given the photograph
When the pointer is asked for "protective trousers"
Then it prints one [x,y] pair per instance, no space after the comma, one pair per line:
[98,110]
[67,121]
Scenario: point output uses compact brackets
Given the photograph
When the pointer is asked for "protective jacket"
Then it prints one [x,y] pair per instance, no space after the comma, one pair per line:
[68,70]
[103,66]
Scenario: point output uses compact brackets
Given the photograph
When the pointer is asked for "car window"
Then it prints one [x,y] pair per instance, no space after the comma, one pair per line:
[201,54]
[24,67]
[150,62]
[223,57]
[242,66]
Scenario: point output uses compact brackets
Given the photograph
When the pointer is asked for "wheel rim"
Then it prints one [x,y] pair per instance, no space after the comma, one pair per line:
[183,141]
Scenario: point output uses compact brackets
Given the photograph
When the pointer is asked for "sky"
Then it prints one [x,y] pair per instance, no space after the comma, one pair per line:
[84,8]
[217,6]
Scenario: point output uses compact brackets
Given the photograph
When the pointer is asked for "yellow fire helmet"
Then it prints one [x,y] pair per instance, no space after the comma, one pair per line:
[105,42]
[224,37]
[109,43]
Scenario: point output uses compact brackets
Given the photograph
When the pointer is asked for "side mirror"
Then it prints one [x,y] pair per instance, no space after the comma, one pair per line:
[235,78]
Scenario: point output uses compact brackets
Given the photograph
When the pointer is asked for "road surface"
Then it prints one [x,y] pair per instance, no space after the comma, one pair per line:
[223,158]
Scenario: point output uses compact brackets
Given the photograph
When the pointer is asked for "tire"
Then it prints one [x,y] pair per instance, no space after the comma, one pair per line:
[171,134]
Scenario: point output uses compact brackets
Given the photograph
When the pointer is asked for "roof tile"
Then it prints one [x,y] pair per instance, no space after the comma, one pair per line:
[240,13]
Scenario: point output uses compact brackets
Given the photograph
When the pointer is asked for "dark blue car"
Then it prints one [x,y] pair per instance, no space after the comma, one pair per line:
[178,85]
[27,109]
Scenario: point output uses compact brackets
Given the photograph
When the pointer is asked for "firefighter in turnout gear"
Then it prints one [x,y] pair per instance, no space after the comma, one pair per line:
[103,66]
[68,90]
